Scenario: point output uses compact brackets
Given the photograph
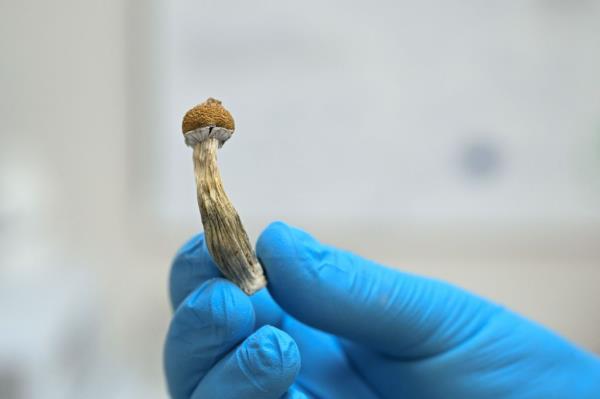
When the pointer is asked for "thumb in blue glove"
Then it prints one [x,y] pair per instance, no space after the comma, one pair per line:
[366,331]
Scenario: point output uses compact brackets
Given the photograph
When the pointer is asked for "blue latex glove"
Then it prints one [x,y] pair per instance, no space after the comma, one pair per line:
[361,330]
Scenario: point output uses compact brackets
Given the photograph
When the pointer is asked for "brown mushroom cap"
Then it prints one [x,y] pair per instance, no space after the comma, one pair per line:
[209,113]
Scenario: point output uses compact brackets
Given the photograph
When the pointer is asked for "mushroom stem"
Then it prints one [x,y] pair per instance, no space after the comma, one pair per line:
[226,238]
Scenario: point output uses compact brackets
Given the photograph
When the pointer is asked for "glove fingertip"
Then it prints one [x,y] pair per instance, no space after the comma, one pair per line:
[287,251]
[273,239]
[270,359]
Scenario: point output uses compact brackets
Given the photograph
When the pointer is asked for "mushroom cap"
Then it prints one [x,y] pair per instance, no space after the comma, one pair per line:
[209,113]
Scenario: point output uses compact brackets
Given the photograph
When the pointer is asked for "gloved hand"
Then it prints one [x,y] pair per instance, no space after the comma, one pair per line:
[361,330]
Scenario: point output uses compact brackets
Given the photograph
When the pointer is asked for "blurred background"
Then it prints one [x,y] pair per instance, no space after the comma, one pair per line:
[459,140]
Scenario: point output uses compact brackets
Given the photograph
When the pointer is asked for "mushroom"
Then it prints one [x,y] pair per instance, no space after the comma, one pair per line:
[206,127]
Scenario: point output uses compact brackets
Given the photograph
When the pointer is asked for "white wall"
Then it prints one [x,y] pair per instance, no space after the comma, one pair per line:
[455,140]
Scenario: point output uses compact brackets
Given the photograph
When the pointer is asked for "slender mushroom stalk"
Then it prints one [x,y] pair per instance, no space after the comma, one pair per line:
[206,127]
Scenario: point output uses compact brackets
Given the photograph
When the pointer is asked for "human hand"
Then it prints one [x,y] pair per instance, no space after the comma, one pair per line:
[361,330]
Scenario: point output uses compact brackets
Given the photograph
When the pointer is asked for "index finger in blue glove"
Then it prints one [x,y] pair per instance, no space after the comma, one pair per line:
[339,292]
[191,267]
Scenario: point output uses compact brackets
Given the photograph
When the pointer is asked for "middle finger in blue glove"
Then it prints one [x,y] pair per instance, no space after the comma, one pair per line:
[264,366]
[207,325]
